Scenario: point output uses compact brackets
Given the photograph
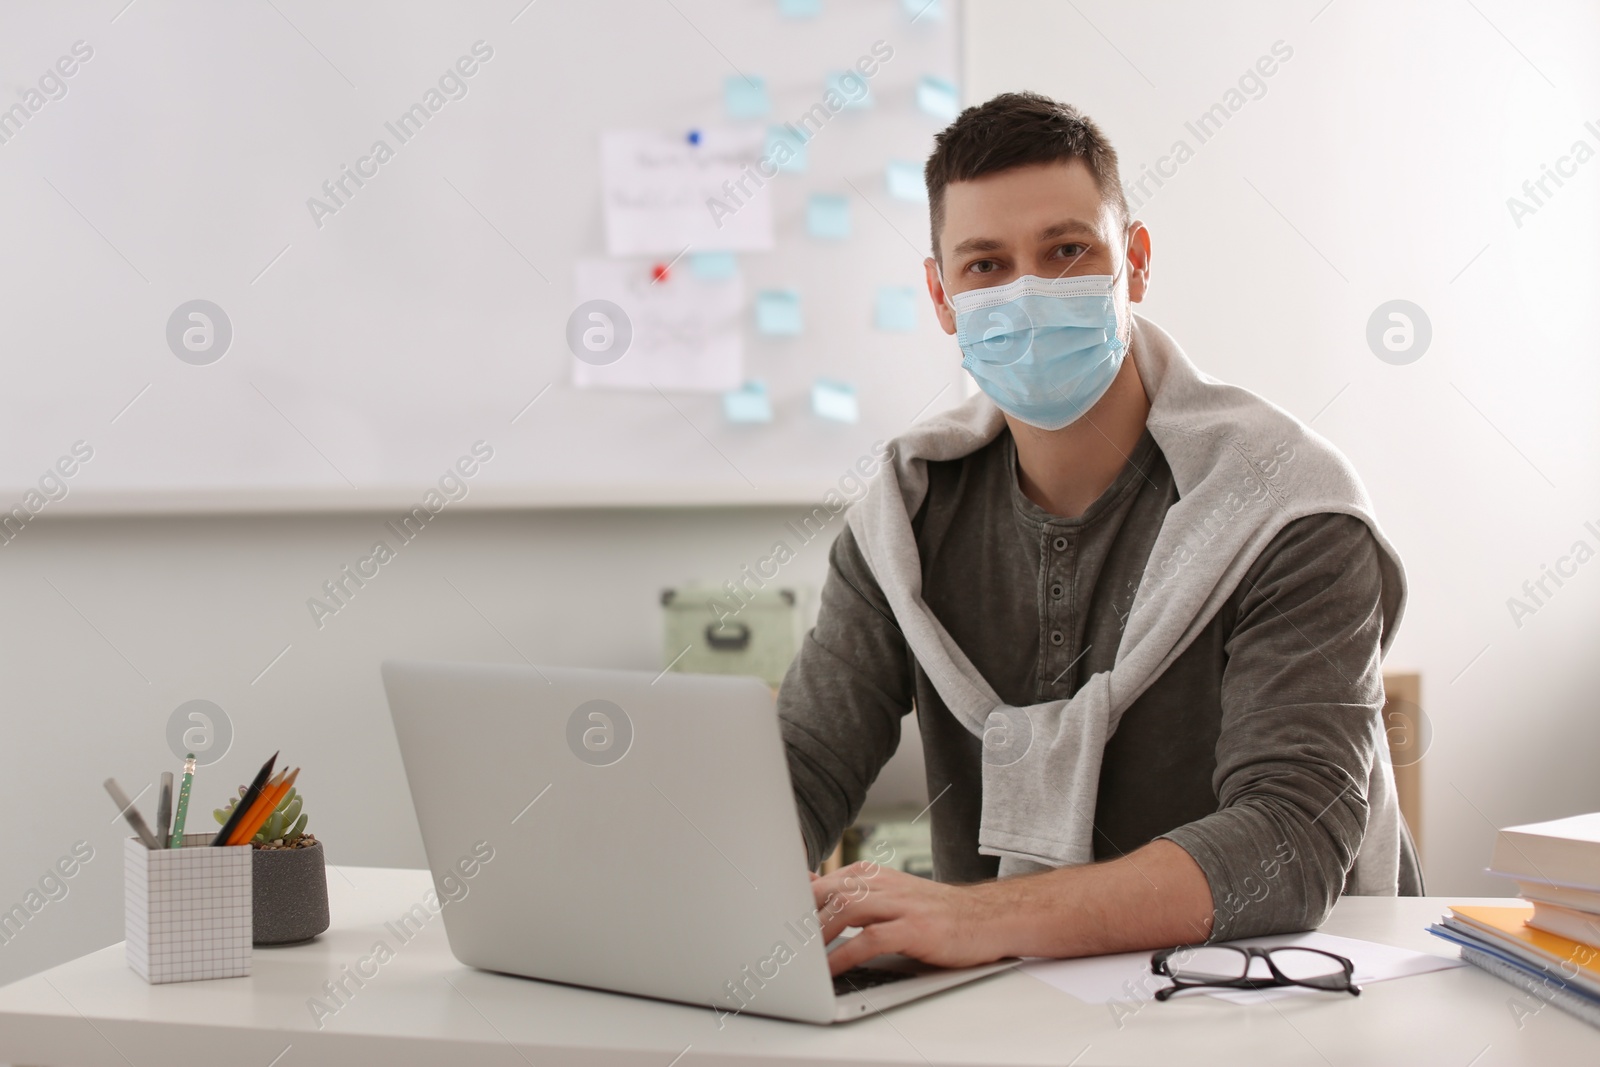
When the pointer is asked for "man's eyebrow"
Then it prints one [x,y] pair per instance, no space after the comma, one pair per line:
[1064,228]
[1069,226]
[977,244]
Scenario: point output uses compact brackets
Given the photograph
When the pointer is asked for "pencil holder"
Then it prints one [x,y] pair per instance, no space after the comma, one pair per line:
[187,910]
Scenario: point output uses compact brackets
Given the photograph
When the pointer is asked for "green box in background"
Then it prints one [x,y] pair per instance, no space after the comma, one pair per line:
[897,837]
[705,631]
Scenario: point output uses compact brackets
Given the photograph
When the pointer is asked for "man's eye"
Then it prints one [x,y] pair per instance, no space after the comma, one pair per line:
[984,266]
[1070,251]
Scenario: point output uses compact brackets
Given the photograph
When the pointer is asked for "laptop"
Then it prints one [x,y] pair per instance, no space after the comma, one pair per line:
[629,832]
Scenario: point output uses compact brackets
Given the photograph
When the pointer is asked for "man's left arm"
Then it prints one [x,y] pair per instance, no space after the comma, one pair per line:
[1300,687]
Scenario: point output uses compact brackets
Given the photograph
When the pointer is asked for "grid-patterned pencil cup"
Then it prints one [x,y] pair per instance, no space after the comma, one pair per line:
[187,910]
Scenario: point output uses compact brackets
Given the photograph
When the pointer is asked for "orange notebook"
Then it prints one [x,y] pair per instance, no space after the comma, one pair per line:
[1508,928]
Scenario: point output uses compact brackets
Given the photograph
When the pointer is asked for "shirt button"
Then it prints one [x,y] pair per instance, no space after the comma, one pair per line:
[1061,544]
[1056,637]
[1056,590]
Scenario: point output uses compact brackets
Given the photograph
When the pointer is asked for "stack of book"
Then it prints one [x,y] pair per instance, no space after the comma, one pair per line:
[1550,948]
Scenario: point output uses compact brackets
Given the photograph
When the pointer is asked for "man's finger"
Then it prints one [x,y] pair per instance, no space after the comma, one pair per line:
[877,906]
[874,941]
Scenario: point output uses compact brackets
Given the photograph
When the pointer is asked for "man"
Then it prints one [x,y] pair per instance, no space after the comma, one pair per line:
[1140,613]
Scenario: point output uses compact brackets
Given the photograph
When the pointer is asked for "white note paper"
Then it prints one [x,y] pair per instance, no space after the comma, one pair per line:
[685,329]
[662,193]
[1125,977]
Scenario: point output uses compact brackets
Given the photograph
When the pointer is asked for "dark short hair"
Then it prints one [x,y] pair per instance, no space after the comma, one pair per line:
[1014,130]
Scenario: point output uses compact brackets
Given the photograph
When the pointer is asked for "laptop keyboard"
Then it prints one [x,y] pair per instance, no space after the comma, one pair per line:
[859,978]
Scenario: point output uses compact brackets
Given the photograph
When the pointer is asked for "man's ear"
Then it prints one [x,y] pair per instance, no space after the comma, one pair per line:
[1138,261]
[946,320]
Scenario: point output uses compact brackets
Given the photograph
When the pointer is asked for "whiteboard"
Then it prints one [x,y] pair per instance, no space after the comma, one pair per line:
[372,347]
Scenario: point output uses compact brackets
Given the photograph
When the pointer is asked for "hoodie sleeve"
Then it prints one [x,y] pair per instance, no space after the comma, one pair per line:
[842,700]
[1300,689]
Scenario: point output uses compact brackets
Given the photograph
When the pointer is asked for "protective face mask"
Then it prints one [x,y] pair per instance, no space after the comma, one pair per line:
[1043,349]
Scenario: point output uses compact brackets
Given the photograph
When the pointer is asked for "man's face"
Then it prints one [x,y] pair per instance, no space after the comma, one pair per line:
[1044,219]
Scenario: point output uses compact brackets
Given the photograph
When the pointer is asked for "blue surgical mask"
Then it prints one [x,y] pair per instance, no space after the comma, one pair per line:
[1043,349]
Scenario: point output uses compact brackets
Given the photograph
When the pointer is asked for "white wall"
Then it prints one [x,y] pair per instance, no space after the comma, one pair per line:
[110,624]
[1376,165]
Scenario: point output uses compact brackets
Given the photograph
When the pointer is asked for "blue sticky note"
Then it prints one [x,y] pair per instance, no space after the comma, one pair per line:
[835,401]
[749,403]
[828,216]
[745,98]
[853,87]
[904,181]
[938,98]
[778,312]
[713,266]
[897,309]
[800,9]
[922,10]
[786,149]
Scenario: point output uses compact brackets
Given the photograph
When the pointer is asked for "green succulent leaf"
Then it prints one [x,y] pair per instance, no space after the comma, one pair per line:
[298,831]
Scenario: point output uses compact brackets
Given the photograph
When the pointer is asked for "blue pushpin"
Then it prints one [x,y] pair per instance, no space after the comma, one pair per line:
[694,136]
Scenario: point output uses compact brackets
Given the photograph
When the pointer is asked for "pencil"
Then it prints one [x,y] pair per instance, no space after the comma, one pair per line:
[182,812]
[244,803]
[263,798]
[274,799]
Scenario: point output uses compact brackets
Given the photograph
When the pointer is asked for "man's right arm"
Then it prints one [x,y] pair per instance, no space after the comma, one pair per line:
[841,702]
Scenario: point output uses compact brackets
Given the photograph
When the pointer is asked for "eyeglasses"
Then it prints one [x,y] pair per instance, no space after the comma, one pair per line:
[1232,967]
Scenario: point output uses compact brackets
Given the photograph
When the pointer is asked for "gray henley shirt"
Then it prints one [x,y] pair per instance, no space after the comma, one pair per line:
[1251,752]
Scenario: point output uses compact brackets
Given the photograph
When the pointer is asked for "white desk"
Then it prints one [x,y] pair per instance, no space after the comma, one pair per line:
[422,1007]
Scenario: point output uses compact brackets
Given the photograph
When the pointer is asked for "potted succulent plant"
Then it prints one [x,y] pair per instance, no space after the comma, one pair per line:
[289,881]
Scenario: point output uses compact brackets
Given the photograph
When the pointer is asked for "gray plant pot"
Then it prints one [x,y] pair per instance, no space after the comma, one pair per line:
[289,895]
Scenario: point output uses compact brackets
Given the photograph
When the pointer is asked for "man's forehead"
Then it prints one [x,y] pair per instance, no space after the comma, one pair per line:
[1046,200]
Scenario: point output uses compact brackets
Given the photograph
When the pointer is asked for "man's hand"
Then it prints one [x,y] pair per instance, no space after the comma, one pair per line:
[898,912]
[1151,898]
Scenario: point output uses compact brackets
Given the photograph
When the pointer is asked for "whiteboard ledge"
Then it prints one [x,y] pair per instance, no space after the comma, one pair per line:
[88,502]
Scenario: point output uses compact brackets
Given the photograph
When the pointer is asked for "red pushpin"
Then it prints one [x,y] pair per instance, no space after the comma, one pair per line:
[658,273]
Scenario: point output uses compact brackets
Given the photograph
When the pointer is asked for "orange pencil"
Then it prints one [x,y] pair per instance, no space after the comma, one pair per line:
[250,812]
[272,805]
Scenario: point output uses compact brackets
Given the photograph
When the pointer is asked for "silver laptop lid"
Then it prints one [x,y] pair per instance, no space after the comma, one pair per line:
[640,830]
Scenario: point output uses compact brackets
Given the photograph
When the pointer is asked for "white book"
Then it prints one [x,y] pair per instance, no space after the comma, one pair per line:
[1564,851]
[1581,926]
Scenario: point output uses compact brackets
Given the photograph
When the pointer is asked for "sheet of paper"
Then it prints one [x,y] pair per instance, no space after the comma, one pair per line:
[684,330]
[1374,962]
[852,87]
[938,98]
[897,309]
[1126,976]
[745,97]
[835,401]
[792,160]
[778,313]
[661,194]
[748,404]
[713,266]
[800,9]
[828,216]
[904,181]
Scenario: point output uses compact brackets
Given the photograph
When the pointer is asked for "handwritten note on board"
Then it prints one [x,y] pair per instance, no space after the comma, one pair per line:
[685,330]
[658,191]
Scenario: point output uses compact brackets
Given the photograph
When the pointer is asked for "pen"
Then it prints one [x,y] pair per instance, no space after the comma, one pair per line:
[131,813]
[164,812]
[245,802]
[183,801]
